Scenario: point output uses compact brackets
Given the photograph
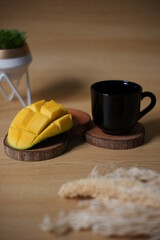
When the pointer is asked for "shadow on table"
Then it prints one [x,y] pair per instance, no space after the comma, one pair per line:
[75,142]
[152,129]
[61,88]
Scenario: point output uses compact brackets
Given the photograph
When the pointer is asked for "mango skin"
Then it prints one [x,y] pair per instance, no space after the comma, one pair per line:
[37,122]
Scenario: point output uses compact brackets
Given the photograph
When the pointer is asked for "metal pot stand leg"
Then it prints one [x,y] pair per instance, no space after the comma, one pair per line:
[14,88]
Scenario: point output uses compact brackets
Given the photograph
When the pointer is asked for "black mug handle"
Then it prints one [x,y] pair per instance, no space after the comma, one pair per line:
[150,106]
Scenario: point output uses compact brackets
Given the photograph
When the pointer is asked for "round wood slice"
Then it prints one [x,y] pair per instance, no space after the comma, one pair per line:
[47,149]
[51,147]
[81,122]
[132,139]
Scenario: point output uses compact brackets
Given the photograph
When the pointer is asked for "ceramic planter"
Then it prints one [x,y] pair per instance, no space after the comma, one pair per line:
[13,65]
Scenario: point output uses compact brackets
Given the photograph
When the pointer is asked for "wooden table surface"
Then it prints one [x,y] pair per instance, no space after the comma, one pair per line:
[73,44]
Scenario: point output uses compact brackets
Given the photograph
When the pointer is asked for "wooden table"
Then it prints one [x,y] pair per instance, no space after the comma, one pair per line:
[75,43]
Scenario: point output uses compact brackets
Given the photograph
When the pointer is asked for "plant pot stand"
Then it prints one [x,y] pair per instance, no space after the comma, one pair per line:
[13,66]
[14,89]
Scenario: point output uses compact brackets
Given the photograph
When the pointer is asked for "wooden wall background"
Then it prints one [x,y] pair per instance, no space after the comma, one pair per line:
[75,43]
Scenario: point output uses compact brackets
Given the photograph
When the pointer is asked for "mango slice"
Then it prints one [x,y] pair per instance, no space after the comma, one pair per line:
[53,110]
[64,123]
[58,126]
[30,121]
[20,139]
[14,135]
[50,131]
[37,122]
[36,107]
[25,140]
[22,118]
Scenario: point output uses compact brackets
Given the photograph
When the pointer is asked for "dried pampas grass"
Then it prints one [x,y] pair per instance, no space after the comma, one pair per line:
[125,202]
[134,184]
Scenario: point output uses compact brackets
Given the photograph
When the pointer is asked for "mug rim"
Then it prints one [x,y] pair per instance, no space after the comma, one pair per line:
[138,87]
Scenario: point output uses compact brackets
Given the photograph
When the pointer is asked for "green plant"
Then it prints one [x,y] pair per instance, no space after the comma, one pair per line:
[11,39]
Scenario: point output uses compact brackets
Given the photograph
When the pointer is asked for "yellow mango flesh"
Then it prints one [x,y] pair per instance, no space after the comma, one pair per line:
[30,121]
[22,118]
[25,140]
[38,122]
[53,110]
[50,131]
[20,139]
[14,135]
[36,107]
[58,126]
[64,123]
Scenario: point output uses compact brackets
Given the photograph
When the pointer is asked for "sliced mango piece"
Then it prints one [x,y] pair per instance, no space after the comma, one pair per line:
[13,136]
[50,131]
[20,139]
[26,140]
[36,107]
[37,123]
[22,118]
[64,123]
[53,110]
[32,121]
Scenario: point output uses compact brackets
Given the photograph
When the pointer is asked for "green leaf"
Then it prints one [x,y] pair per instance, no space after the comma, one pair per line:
[11,38]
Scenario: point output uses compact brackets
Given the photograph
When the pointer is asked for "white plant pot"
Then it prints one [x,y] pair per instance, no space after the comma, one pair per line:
[14,64]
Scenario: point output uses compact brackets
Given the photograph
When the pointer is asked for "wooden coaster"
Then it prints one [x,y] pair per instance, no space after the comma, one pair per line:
[132,139]
[81,122]
[52,147]
[47,149]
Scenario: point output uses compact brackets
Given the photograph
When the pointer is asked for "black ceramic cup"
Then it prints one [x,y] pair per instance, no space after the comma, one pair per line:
[116,105]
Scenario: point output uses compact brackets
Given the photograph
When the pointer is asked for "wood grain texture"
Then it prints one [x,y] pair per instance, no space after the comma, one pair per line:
[73,44]
[132,139]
